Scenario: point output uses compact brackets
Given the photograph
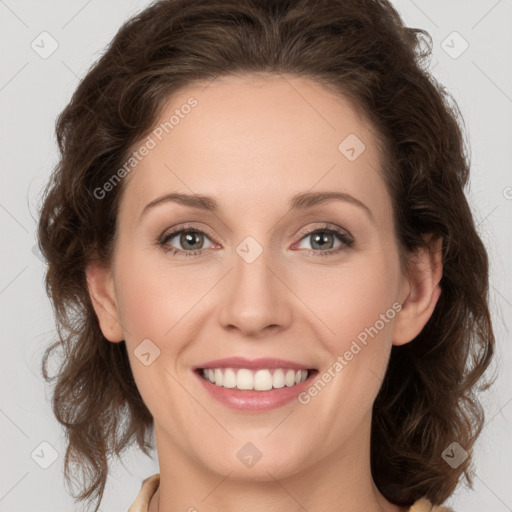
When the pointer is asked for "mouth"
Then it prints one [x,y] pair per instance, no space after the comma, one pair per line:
[255,379]
[254,385]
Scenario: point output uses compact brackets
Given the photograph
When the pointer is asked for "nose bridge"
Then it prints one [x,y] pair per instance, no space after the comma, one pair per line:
[255,298]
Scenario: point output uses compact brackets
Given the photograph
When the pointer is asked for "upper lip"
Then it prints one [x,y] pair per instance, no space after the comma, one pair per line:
[263,362]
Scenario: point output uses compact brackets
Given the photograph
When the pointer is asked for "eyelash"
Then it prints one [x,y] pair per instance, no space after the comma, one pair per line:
[342,236]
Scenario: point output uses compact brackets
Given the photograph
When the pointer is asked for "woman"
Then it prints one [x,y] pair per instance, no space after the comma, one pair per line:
[259,248]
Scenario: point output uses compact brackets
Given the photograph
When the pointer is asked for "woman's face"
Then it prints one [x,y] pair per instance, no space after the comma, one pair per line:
[272,279]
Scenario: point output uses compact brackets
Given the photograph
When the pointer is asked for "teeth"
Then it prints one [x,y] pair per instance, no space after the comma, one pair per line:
[289,378]
[244,379]
[229,378]
[278,379]
[258,380]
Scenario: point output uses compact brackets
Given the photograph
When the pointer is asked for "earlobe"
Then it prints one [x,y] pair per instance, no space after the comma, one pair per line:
[102,294]
[426,269]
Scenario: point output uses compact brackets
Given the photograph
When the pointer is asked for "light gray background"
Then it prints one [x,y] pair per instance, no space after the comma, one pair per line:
[34,90]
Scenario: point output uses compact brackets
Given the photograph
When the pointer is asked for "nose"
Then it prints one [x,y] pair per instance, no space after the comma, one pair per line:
[255,299]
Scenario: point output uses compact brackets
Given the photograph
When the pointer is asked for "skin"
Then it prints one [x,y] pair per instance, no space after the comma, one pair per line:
[253,142]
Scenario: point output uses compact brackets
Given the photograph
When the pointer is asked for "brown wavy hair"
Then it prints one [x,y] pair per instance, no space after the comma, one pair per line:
[358,48]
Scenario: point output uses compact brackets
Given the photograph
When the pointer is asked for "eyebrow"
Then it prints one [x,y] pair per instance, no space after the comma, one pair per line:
[300,201]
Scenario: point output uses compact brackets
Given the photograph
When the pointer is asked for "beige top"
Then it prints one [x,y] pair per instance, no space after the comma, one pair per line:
[150,485]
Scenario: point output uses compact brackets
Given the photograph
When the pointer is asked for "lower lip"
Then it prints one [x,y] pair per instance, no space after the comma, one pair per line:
[255,401]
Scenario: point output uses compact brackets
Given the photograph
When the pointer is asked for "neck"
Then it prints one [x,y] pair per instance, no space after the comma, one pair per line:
[342,481]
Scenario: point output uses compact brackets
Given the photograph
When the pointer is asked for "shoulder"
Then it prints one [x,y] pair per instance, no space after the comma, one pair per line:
[150,485]
[148,488]
[424,505]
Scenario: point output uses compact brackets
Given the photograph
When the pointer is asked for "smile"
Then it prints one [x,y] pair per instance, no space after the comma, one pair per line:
[265,385]
[254,379]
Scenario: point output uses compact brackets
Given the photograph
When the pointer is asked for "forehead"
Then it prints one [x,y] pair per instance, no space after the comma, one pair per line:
[242,137]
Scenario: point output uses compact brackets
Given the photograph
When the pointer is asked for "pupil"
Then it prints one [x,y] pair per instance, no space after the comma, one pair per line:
[187,237]
[320,238]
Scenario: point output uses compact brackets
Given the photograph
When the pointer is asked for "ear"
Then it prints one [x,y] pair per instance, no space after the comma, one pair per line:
[422,283]
[101,290]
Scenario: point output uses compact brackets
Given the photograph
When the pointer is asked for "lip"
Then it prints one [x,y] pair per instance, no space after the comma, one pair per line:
[251,401]
[263,362]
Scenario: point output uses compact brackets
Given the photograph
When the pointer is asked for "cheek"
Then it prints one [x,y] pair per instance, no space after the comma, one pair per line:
[360,317]
[148,306]
[140,307]
[343,301]
[354,298]
[145,298]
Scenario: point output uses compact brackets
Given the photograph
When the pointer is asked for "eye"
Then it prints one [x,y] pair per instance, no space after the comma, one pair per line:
[191,239]
[322,238]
